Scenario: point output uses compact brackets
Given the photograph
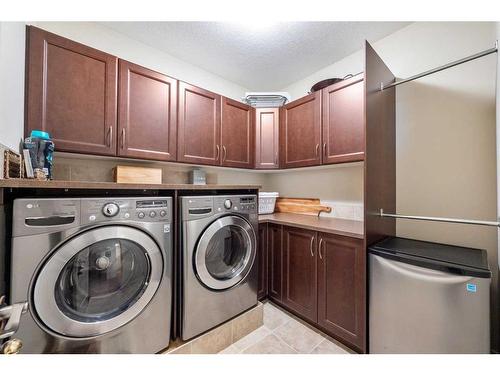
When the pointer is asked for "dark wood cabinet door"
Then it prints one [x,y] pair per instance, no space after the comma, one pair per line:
[343,121]
[275,261]
[262,262]
[198,125]
[300,132]
[237,134]
[71,93]
[267,138]
[147,116]
[342,288]
[300,271]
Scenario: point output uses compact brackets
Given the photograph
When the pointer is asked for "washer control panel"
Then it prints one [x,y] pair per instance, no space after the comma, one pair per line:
[135,209]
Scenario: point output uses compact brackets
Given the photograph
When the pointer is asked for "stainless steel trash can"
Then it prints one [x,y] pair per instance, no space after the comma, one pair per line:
[426,297]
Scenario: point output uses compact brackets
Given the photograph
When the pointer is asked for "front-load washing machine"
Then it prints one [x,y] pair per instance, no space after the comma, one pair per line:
[219,272]
[96,274]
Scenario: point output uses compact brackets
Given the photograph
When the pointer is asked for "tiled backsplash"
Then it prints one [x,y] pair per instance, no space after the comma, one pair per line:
[96,169]
[71,167]
[344,210]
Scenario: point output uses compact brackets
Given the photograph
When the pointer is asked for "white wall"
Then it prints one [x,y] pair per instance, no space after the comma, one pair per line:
[445,130]
[12,41]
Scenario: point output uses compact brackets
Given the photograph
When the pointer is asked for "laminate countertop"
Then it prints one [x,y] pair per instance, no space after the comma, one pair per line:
[60,184]
[343,227]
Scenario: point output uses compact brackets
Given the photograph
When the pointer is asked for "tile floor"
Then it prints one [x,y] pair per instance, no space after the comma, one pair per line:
[284,334]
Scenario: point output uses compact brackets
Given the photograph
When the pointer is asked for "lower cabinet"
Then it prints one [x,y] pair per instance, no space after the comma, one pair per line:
[300,271]
[320,277]
[275,261]
[341,288]
[261,261]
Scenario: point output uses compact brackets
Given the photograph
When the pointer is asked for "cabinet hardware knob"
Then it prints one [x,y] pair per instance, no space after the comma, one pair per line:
[123,138]
[319,248]
[12,346]
[110,136]
[311,247]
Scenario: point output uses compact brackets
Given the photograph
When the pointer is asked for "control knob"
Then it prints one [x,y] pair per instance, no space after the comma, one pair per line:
[110,209]
[228,204]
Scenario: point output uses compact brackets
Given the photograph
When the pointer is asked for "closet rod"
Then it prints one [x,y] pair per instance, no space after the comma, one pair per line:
[441,219]
[443,67]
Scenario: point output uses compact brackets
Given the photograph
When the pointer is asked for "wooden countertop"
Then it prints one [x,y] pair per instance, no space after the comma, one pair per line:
[343,227]
[59,184]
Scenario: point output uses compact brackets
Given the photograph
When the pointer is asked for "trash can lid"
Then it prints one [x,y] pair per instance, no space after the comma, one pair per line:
[444,257]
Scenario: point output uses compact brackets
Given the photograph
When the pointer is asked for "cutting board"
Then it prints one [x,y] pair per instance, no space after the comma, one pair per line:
[137,175]
[308,206]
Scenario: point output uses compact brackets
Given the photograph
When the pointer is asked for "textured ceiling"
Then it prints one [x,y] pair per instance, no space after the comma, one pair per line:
[258,56]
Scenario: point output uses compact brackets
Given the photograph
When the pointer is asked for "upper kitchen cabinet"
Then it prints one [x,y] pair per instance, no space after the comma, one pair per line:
[267,138]
[147,121]
[71,93]
[300,132]
[237,134]
[198,125]
[343,121]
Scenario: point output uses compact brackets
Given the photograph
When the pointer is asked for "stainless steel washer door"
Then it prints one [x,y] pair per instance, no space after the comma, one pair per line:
[225,252]
[98,281]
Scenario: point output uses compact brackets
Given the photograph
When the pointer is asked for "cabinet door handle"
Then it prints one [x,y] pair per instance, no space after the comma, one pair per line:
[224,153]
[123,138]
[218,151]
[276,158]
[110,136]
[317,150]
[319,248]
[324,149]
[311,247]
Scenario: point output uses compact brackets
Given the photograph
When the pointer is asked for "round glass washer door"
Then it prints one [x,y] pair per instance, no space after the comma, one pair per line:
[225,253]
[98,281]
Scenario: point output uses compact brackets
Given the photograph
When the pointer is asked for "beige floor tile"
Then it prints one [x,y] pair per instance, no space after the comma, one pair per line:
[230,350]
[247,322]
[328,347]
[274,317]
[213,341]
[183,349]
[252,338]
[269,345]
[298,336]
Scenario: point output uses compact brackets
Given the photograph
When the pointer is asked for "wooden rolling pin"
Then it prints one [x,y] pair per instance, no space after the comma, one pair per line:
[308,206]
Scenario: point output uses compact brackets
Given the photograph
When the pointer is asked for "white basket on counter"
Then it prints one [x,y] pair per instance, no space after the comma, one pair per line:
[267,202]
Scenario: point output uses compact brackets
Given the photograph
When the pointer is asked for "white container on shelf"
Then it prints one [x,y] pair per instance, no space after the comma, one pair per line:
[267,202]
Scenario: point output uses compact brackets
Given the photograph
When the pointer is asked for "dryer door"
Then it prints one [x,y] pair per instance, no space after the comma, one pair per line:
[97,281]
[225,253]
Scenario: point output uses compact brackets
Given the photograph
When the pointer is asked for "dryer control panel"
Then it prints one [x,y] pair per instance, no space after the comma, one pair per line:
[202,206]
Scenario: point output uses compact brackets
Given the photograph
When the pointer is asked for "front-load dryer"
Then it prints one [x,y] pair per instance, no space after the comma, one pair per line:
[96,274]
[219,272]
